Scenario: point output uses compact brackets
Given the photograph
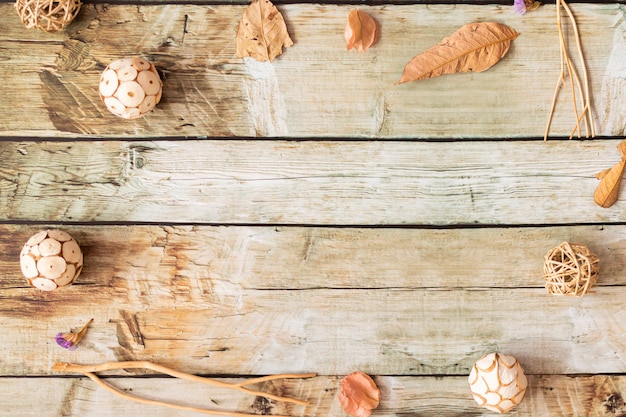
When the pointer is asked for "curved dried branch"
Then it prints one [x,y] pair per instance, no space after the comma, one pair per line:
[84,369]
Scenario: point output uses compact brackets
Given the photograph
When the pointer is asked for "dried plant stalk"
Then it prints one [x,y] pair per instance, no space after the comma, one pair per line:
[90,370]
[569,71]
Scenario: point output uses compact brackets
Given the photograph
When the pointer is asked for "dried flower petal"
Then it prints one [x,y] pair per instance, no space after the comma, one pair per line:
[520,6]
[70,340]
[523,6]
[359,394]
[361,31]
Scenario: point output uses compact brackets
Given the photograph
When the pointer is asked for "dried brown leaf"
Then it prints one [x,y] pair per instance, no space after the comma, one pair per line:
[610,179]
[473,47]
[262,32]
[361,31]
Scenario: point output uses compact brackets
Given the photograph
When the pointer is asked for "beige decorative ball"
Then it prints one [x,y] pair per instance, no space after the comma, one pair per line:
[570,269]
[51,259]
[498,382]
[47,15]
[130,87]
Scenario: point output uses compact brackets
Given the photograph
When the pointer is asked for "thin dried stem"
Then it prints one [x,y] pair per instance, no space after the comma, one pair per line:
[576,86]
[140,400]
[108,366]
[587,107]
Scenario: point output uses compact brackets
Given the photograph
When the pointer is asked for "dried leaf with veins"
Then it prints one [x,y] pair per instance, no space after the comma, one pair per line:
[359,394]
[361,31]
[610,179]
[473,47]
[262,32]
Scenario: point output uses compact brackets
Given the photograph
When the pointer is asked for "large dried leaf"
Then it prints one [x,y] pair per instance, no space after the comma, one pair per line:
[262,32]
[361,31]
[473,47]
[610,179]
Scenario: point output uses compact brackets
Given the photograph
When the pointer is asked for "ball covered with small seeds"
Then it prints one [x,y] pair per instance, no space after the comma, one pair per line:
[130,87]
[51,259]
[498,382]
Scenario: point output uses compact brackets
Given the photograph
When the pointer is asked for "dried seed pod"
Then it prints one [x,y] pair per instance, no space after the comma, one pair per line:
[51,259]
[47,15]
[498,382]
[130,87]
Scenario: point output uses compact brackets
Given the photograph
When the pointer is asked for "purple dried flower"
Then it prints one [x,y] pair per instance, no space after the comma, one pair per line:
[70,340]
[64,340]
[520,6]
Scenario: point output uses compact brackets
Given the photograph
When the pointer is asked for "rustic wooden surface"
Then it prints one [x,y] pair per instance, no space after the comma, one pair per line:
[210,92]
[309,215]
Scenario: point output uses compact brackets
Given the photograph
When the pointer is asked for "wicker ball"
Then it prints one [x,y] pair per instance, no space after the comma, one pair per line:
[47,15]
[570,269]
[130,87]
[498,382]
[51,259]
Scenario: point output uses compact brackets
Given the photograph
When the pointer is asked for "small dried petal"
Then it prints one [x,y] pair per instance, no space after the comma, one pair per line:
[361,31]
[359,394]
[70,340]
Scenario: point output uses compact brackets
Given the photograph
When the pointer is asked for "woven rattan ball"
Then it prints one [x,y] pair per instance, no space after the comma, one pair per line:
[47,15]
[51,259]
[130,87]
[570,269]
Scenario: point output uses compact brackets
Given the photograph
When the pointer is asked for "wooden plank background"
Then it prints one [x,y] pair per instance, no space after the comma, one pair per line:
[309,215]
[210,92]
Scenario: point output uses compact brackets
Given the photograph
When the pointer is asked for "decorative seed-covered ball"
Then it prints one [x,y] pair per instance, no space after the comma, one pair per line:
[130,87]
[498,382]
[51,259]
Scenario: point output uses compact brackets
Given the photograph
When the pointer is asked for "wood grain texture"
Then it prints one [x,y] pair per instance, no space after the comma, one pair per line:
[214,327]
[215,253]
[298,258]
[310,182]
[50,81]
[547,396]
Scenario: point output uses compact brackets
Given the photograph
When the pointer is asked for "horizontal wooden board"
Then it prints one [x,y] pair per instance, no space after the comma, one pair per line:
[213,326]
[316,88]
[297,258]
[401,397]
[309,182]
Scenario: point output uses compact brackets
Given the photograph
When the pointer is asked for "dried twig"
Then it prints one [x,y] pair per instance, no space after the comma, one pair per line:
[90,370]
[585,115]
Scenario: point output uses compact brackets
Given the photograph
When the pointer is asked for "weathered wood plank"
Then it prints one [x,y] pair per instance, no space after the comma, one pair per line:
[548,396]
[310,182]
[217,327]
[316,88]
[307,258]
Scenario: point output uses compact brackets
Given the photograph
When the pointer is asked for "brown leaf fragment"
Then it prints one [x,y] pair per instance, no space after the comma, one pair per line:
[473,47]
[610,179]
[262,32]
[359,394]
[361,31]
